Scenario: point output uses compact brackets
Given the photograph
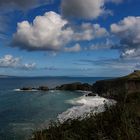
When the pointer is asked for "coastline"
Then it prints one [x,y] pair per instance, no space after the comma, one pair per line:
[125,100]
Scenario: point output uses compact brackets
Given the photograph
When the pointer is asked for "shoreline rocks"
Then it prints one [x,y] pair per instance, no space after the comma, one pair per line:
[26,88]
[41,88]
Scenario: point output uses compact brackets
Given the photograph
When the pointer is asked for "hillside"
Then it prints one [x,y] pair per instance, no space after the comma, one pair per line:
[133,75]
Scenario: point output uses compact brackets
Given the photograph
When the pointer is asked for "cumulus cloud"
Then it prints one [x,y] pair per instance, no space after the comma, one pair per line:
[48,32]
[9,61]
[86,9]
[128,31]
[51,32]
[89,31]
[22,4]
[75,48]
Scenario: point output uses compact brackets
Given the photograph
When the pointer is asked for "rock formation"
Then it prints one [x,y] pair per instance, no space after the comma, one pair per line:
[43,88]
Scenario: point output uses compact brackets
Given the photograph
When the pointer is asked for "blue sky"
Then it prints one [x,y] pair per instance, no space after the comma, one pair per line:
[69,37]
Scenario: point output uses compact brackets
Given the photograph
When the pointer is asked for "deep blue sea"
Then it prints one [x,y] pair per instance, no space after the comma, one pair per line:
[23,112]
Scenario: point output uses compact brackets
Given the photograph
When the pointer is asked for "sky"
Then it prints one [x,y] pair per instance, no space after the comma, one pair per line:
[89,38]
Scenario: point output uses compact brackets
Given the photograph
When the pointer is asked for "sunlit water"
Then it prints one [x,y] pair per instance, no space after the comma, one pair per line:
[23,112]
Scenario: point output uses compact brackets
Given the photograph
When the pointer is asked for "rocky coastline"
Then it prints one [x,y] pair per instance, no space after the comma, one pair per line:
[112,88]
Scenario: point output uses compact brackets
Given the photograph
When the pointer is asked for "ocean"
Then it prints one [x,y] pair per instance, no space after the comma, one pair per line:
[21,113]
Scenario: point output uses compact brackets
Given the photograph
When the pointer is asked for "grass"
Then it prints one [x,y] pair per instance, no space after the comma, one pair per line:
[120,122]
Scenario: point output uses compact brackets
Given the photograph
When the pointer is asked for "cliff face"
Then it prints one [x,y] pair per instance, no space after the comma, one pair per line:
[119,86]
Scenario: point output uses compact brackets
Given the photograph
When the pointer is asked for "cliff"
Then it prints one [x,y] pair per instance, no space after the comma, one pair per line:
[118,87]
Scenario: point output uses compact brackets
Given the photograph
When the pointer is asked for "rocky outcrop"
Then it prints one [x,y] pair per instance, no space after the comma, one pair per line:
[41,88]
[118,87]
[27,88]
[75,86]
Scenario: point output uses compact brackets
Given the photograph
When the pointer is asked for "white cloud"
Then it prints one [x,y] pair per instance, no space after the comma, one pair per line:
[128,53]
[29,66]
[48,32]
[9,61]
[51,32]
[89,31]
[75,48]
[128,31]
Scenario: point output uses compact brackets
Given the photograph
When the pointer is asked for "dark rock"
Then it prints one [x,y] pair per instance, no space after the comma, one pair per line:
[75,86]
[43,88]
[26,88]
[91,94]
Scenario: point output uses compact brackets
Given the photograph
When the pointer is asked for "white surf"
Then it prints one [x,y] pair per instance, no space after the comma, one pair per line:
[83,106]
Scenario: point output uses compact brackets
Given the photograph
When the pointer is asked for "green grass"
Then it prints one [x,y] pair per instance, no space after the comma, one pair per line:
[120,122]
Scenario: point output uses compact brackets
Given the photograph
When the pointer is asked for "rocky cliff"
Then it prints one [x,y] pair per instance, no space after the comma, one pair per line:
[118,87]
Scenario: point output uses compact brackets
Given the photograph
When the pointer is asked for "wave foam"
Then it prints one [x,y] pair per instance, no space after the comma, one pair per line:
[25,90]
[84,106]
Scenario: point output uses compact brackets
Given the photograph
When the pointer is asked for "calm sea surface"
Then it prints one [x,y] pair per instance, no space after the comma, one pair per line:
[23,112]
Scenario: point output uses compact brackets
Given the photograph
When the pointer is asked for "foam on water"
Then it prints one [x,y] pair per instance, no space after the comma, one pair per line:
[83,106]
[25,90]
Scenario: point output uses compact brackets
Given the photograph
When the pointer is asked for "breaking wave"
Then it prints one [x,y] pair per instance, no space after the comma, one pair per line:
[83,106]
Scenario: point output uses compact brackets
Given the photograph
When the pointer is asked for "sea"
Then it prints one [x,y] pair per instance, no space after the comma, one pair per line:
[22,113]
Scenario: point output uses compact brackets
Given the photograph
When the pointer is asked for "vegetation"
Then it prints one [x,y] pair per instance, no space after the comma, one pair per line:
[120,122]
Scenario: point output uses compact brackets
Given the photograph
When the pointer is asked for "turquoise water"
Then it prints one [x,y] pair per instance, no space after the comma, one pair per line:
[23,112]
